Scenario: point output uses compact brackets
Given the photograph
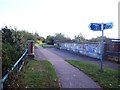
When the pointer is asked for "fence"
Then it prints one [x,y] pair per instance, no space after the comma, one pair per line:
[88,49]
[16,68]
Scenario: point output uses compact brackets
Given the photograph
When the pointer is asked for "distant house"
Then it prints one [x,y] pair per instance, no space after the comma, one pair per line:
[39,42]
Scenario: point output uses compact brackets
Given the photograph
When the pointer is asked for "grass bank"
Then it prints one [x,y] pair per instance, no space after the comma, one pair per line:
[39,74]
[109,78]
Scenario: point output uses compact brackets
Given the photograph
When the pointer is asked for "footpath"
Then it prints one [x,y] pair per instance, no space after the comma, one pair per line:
[69,76]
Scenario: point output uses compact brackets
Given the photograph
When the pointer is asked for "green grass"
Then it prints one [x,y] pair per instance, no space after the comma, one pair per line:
[44,45]
[35,47]
[40,74]
[107,79]
[47,46]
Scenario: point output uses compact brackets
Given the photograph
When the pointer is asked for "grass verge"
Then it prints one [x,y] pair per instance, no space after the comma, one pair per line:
[44,45]
[47,46]
[35,47]
[39,74]
[109,78]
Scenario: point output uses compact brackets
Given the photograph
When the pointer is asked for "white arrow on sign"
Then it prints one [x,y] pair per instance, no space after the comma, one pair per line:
[108,25]
[95,26]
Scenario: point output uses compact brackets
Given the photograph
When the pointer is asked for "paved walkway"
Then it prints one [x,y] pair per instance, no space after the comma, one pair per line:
[67,55]
[70,77]
[39,55]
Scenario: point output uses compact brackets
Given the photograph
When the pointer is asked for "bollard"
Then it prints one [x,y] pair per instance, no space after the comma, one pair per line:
[30,49]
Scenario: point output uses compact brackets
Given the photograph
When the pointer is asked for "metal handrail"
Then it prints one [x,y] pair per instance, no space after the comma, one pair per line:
[15,65]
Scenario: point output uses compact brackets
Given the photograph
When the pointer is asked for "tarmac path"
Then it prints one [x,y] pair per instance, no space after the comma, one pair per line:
[67,55]
[69,76]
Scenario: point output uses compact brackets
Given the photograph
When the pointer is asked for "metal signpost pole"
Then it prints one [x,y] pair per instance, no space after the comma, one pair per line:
[102,48]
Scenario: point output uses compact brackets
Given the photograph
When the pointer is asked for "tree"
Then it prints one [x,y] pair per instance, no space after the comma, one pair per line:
[40,38]
[13,44]
[59,38]
[6,35]
[97,39]
[79,38]
[50,40]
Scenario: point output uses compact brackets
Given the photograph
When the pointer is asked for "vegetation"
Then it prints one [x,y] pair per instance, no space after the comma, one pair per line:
[60,38]
[109,78]
[97,39]
[35,46]
[39,38]
[43,45]
[50,40]
[56,39]
[39,74]
[14,43]
[79,38]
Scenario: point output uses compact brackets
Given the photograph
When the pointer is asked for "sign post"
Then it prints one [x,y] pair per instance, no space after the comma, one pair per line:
[101,27]
[102,47]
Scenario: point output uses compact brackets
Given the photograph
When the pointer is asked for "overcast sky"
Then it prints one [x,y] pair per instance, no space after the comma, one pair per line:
[70,17]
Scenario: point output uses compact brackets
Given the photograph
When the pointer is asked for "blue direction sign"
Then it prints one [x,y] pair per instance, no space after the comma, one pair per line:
[108,25]
[101,27]
[95,26]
